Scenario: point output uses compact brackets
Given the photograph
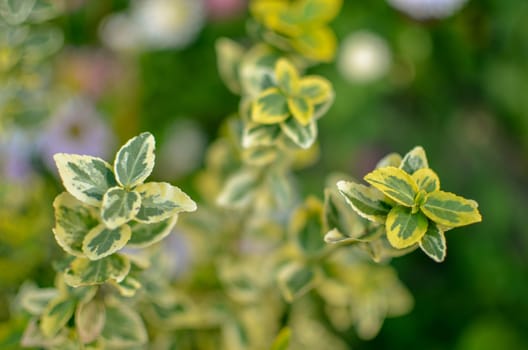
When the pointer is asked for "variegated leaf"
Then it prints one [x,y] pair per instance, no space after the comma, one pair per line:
[33,337]
[368,202]
[395,184]
[119,207]
[73,221]
[315,88]
[271,107]
[281,188]
[123,327]
[414,160]
[84,272]
[257,70]
[302,109]
[318,11]
[161,200]
[287,76]
[135,160]
[433,243]
[90,320]
[16,12]
[229,55]
[427,180]
[317,43]
[103,241]
[255,134]
[450,210]
[239,190]
[260,155]
[306,227]
[302,136]
[295,280]
[282,341]
[405,228]
[34,300]
[127,287]
[144,235]
[56,315]
[392,159]
[86,178]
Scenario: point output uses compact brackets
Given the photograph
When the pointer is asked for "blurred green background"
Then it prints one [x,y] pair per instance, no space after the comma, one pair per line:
[455,86]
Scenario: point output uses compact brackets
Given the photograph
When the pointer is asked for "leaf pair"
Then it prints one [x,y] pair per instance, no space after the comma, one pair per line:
[300,25]
[408,200]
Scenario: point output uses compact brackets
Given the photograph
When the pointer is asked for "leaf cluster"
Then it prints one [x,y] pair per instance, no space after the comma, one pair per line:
[405,198]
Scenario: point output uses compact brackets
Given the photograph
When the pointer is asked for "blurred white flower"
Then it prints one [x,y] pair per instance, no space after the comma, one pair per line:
[428,9]
[364,57]
[154,24]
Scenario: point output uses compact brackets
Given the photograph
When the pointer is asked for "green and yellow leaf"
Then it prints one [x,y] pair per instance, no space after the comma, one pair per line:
[255,134]
[85,272]
[287,76]
[282,341]
[103,241]
[391,159]
[56,315]
[368,202]
[270,107]
[414,160]
[161,200]
[123,327]
[239,189]
[34,338]
[295,280]
[427,180]
[404,228]
[86,178]
[119,207]
[315,88]
[257,70]
[73,221]
[144,235]
[302,135]
[89,320]
[34,300]
[229,55]
[260,155]
[450,210]
[317,11]
[127,287]
[306,226]
[318,44]
[433,243]
[135,160]
[268,13]
[395,184]
[301,109]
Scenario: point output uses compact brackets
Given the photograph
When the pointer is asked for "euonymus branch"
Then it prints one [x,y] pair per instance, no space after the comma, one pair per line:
[258,245]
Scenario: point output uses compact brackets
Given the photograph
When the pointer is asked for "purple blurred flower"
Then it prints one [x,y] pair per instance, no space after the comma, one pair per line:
[177,256]
[76,128]
[15,156]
